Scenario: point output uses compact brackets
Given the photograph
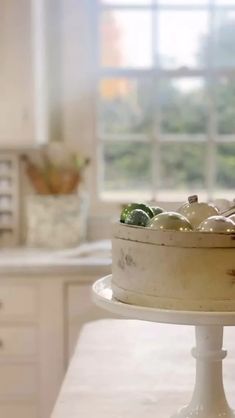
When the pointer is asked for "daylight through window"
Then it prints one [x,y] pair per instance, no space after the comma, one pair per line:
[166,98]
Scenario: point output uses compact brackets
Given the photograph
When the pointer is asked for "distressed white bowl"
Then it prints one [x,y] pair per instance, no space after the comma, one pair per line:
[173,269]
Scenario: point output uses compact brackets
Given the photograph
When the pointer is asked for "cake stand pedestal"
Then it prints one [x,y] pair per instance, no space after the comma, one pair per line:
[208,400]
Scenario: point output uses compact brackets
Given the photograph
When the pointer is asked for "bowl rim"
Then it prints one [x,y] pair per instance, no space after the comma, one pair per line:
[186,239]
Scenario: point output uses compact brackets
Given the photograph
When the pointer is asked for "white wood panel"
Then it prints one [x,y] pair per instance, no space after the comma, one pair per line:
[81,310]
[37,319]
[80,303]
[17,301]
[52,342]
[18,410]
[16,75]
[20,341]
[17,379]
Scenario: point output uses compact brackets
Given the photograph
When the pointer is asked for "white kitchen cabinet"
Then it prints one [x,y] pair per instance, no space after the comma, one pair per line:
[80,309]
[17,301]
[18,341]
[43,306]
[18,379]
[19,349]
[18,409]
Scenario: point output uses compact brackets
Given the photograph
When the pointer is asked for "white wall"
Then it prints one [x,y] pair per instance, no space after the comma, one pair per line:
[46,81]
[78,107]
[16,74]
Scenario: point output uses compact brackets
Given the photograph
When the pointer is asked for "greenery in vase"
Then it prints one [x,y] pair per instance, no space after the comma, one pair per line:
[54,170]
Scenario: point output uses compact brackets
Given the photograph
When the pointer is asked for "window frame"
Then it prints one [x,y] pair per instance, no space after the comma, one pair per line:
[210,74]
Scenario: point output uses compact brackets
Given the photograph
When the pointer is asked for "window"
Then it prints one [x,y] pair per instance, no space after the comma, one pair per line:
[166,98]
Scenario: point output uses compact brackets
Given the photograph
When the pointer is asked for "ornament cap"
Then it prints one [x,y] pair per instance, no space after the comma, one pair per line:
[193,198]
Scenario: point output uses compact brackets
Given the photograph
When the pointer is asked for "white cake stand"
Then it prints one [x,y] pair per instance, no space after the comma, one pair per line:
[208,400]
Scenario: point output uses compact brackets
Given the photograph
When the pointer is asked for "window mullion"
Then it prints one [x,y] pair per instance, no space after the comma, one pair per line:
[156,154]
[211,147]
[98,177]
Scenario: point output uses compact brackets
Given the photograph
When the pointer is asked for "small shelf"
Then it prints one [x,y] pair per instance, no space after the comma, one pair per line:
[6,176]
[9,198]
[5,191]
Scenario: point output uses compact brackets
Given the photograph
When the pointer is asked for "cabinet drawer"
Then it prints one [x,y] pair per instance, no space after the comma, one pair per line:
[17,301]
[18,380]
[18,410]
[21,341]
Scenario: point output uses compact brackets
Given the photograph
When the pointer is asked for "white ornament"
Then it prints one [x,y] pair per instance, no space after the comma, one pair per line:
[196,211]
[217,224]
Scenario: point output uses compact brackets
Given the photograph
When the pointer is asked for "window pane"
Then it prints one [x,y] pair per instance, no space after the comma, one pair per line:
[225,106]
[183,166]
[127,166]
[181,37]
[183,106]
[226,166]
[225,2]
[123,44]
[125,106]
[127,2]
[184,2]
[224,39]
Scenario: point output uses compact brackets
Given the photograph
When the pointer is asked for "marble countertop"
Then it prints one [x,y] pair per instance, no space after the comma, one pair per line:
[86,258]
[134,369]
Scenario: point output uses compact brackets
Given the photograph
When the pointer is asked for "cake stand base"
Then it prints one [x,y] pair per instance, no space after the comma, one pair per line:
[208,400]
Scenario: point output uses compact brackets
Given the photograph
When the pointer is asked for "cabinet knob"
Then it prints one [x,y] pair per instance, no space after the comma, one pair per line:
[1,344]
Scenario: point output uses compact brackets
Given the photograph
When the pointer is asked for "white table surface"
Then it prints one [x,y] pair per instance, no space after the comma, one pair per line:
[134,369]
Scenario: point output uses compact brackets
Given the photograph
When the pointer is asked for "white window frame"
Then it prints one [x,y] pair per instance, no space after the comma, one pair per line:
[211,138]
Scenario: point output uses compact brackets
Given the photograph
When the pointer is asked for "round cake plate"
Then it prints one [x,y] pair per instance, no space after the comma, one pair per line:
[208,400]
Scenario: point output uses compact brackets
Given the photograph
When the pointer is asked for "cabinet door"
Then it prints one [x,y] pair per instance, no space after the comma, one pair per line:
[18,410]
[81,309]
[18,380]
[17,302]
[18,342]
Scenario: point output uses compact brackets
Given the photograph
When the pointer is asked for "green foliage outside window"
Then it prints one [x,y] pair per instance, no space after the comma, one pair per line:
[183,165]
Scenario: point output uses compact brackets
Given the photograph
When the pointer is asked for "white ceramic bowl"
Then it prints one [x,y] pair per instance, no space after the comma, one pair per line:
[173,269]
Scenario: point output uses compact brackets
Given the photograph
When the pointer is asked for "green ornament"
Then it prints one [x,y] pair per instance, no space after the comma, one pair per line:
[137,217]
[157,209]
[131,206]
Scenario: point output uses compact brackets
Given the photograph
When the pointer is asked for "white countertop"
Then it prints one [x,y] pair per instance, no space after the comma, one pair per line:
[84,259]
[134,369]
